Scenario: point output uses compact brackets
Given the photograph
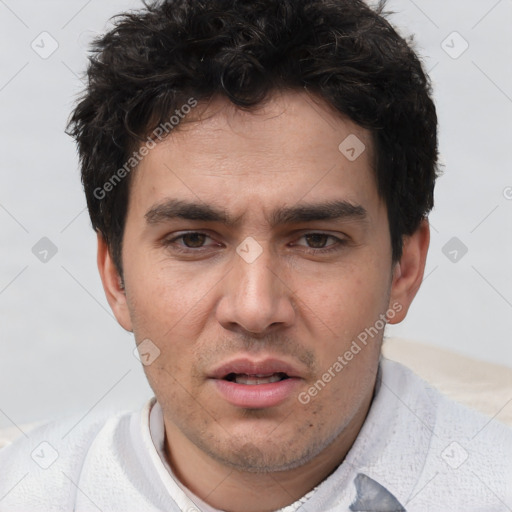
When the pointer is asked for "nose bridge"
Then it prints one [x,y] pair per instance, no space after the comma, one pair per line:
[253,269]
[253,279]
[255,296]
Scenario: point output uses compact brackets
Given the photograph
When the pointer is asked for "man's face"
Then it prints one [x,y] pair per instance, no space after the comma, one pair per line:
[266,296]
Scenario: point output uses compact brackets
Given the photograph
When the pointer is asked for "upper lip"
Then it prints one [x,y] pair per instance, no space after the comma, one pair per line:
[248,366]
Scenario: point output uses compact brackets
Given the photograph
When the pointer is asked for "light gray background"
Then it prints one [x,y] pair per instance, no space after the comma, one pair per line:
[61,351]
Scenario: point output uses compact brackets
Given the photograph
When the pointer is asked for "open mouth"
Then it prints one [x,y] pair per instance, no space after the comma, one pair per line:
[249,384]
[253,380]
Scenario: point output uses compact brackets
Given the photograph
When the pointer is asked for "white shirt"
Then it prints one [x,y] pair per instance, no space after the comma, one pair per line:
[417,451]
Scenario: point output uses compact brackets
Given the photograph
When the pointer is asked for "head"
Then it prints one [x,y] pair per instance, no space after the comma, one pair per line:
[259,175]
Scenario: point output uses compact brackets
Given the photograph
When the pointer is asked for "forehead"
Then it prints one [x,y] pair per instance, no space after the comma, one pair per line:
[292,147]
[295,122]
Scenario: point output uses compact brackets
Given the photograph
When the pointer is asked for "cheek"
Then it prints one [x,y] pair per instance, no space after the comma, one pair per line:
[163,298]
[170,307]
[345,295]
[342,308]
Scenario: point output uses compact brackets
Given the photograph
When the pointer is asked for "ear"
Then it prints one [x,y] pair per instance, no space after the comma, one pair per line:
[408,272]
[113,285]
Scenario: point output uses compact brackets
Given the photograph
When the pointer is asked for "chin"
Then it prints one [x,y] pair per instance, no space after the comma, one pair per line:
[266,455]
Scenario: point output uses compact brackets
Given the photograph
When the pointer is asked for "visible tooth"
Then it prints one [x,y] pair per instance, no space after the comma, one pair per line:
[256,379]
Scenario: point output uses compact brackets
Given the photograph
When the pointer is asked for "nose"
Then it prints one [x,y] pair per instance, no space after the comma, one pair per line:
[256,297]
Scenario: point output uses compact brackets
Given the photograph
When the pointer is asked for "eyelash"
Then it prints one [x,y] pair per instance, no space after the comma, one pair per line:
[332,248]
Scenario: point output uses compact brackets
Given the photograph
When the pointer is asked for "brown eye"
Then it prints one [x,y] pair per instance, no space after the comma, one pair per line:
[193,240]
[316,240]
[316,243]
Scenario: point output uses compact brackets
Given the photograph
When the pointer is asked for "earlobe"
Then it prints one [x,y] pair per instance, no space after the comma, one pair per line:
[113,284]
[408,272]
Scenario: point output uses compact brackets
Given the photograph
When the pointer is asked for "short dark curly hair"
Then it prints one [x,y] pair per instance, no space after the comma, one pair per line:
[154,60]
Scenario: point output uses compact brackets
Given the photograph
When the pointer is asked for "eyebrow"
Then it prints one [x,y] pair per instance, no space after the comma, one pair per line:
[331,210]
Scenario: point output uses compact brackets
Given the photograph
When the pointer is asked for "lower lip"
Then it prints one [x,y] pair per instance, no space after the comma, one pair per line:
[258,396]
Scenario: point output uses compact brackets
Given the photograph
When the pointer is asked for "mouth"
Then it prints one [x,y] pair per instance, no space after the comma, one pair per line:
[250,384]
[255,380]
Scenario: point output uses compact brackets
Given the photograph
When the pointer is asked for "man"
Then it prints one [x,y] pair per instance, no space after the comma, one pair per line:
[259,175]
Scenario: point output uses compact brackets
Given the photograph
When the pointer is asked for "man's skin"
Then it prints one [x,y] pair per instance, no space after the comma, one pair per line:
[208,305]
